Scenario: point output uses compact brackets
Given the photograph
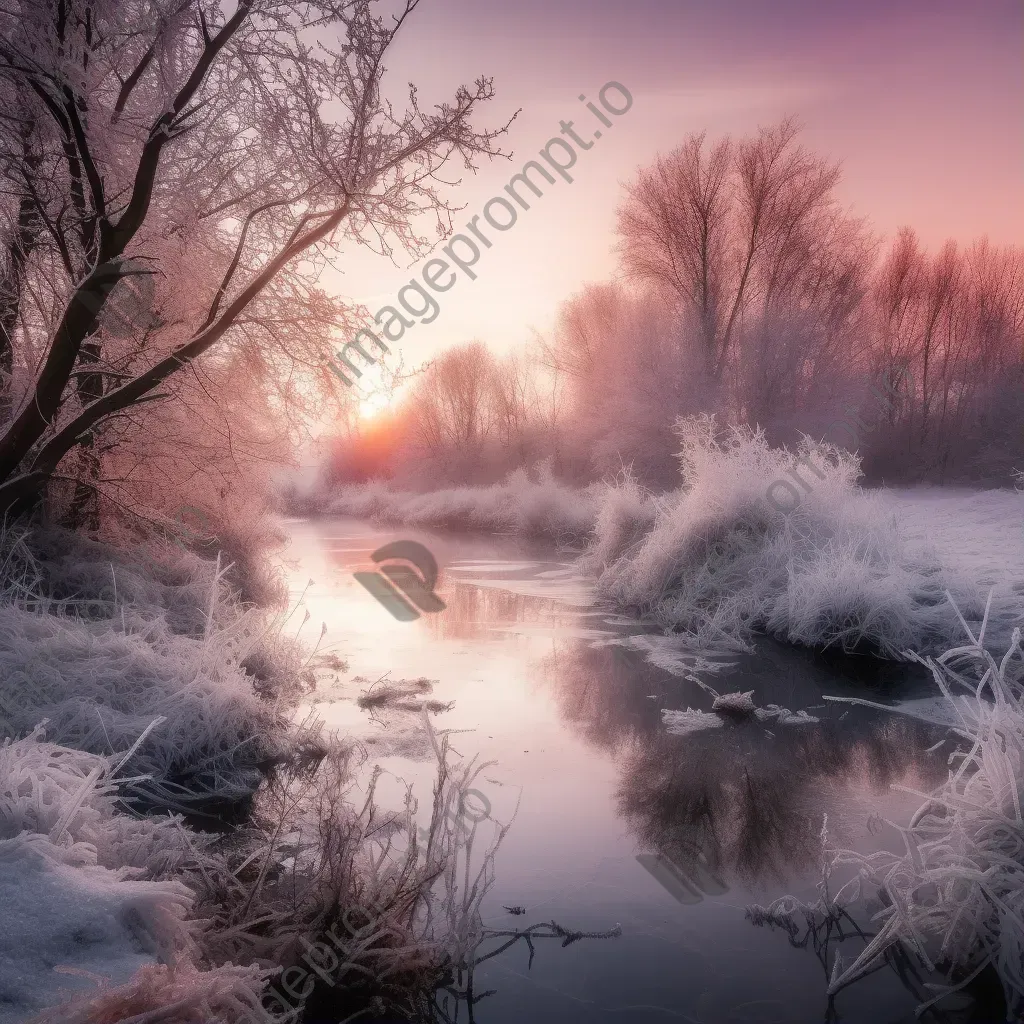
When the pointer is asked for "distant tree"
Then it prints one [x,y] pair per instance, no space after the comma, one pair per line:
[734,230]
[515,409]
[950,326]
[450,408]
[586,321]
[751,293]
[222,152]
[627,370]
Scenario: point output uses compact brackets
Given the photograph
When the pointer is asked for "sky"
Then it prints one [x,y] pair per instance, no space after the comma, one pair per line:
[922,101]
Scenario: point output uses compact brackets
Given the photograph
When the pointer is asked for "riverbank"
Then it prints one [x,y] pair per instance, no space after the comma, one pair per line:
[127,702]
[719,561]
[172,838]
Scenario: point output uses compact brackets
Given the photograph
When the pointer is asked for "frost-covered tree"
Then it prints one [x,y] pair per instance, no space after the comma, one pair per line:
[742,231]
[213,157]
[952,324]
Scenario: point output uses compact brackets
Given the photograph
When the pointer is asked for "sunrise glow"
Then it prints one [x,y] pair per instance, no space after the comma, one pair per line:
[373,405]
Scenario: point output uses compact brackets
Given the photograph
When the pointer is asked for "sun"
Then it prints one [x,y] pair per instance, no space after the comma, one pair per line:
[373,405]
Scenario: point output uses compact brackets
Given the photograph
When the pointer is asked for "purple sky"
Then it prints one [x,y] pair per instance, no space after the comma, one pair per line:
[923,102]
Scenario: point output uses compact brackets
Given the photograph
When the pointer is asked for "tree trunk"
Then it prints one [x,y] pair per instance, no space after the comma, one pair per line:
[19,249]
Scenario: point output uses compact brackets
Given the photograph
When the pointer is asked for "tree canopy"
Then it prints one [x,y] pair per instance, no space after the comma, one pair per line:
[227,152]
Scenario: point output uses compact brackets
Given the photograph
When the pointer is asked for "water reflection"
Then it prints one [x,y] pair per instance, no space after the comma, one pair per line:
[739,803]
[721,818]
[742,799]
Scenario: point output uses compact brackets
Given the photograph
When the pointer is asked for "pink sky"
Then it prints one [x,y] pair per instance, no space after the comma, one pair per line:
[923,102]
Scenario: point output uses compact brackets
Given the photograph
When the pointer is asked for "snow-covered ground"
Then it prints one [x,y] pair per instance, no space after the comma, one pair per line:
[75,912]
[121,678]
[979,533]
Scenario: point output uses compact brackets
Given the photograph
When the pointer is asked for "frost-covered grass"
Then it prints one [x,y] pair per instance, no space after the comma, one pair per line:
[626,512]
[181,995]
[539,509]
[70,797]
[401,905]
[102,648]
[123,677]
[954,896]
[132,662]
[845,567]
[143,916]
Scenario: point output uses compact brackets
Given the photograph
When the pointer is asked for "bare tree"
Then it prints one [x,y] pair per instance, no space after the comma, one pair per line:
[725,229]
[586,321]
[675,230]
[798,358]
[628,370]
[223,152]
[514,403]
[950,327]
[449,408]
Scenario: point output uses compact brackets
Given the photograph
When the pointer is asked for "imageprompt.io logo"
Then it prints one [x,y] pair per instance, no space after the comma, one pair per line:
[416,584]
[685,886]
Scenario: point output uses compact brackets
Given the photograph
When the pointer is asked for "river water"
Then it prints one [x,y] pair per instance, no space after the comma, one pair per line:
[557,691]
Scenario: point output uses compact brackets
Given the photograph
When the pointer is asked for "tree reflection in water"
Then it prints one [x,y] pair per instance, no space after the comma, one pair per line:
[738,801]
[742,801]
[745,804]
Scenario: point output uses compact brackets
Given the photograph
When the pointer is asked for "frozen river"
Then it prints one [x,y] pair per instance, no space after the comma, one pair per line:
[619,820]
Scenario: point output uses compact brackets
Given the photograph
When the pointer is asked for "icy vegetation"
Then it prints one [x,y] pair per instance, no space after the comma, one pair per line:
[542,508]
[843,567]
[954,896]
[143,918]
[125,688]
[183,995]
[134,687]
[108,651]
[89,893]
[813,560]
[732,708]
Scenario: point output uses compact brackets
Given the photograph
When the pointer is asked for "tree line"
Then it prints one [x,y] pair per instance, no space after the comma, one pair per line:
[747,290]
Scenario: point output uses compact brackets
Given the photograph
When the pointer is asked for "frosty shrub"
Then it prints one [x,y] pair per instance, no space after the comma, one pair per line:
[626,513]
[954,896]
[541,508]
[839,569]
[392,909]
